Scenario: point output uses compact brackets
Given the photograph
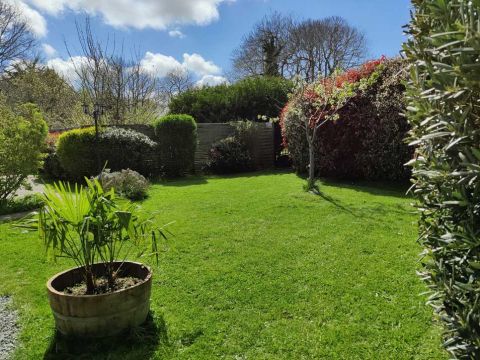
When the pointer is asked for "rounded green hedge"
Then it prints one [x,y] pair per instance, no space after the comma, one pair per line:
[176,136]
[118,148]
[243,100]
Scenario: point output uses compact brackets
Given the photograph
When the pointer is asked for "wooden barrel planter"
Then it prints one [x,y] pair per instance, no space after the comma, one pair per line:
[104,314]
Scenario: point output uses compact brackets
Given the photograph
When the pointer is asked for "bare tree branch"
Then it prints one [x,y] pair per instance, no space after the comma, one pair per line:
[16,38]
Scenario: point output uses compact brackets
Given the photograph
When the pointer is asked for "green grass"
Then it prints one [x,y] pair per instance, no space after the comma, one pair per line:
[258,269]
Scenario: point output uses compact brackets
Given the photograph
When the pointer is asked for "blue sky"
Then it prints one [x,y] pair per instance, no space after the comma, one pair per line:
[207,31]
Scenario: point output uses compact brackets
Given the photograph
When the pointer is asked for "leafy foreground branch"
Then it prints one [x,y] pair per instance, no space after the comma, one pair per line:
[444,112]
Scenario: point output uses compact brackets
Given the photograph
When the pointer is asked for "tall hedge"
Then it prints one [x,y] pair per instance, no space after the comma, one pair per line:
[367,140]
[176,136]
[444,112]
[243,100]
[118,148]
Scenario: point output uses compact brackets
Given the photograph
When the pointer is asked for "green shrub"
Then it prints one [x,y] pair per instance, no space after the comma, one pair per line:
[76,152]
[367,140]
[127,183]
[229,156]
[176,136]
[234,154]
[444,94]
[52,169]
[22,140]
[118,148]
[246,99]
[21,204]
[128,149]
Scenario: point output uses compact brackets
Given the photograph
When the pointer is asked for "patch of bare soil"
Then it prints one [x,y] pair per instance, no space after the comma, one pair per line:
[101,286]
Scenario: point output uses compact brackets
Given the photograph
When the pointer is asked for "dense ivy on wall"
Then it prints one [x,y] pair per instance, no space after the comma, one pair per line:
[367,139]
[444,112]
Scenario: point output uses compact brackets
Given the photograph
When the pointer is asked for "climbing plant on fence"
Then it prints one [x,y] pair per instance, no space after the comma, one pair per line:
[444,112]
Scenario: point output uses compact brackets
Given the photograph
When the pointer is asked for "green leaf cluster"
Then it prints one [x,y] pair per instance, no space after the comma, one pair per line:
[22,140]
[88,225]
[444,111]
[243,100]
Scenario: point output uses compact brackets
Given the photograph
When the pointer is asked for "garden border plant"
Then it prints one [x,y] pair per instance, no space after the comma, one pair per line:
[98,233]
[443,93]
[22,139]
[176,136]
[118,148]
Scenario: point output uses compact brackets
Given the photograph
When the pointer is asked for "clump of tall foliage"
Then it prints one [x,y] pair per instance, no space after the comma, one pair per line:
[243,100]
[176,136]
[22,140]
[365,139]
[444,93]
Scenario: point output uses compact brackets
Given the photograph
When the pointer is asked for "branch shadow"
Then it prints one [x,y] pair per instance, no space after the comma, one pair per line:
[136,343]
[334,202]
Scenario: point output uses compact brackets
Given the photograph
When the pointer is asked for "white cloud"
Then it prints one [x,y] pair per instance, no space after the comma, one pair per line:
[176,33]
[66,68]
[197,64]
[51,6]
[34,19]
[159,64]
[211,80]
[140,14]
[49,50]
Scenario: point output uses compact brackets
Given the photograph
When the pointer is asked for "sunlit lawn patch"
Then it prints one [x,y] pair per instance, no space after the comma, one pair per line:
[258,269]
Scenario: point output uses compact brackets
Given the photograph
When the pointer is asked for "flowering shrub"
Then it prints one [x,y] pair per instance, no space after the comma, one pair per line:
[366,139]
[127,183]
[118,148]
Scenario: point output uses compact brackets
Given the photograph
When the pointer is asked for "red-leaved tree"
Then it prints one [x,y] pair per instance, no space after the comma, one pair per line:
[318,103]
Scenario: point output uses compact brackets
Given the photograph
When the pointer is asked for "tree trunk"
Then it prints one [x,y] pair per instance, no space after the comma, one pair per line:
[311,158]
[311,166]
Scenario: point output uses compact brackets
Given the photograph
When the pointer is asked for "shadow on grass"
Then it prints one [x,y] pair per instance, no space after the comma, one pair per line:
[383,188]
[181,182]
[335,202]
[137,343]
[201,179]
[371,210]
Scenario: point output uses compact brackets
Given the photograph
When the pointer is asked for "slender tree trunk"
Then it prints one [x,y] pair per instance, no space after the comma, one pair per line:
[311,159]
[311,168]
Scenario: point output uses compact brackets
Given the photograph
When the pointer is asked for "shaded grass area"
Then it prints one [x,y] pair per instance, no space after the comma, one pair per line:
[258,269]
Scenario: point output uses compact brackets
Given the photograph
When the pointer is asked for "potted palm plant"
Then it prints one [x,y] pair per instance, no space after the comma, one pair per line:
[105,293]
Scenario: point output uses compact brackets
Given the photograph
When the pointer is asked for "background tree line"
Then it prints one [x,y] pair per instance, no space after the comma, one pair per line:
[125,92]
[278,45]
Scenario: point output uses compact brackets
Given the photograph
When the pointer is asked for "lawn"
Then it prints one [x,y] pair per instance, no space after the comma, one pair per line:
[257,269]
